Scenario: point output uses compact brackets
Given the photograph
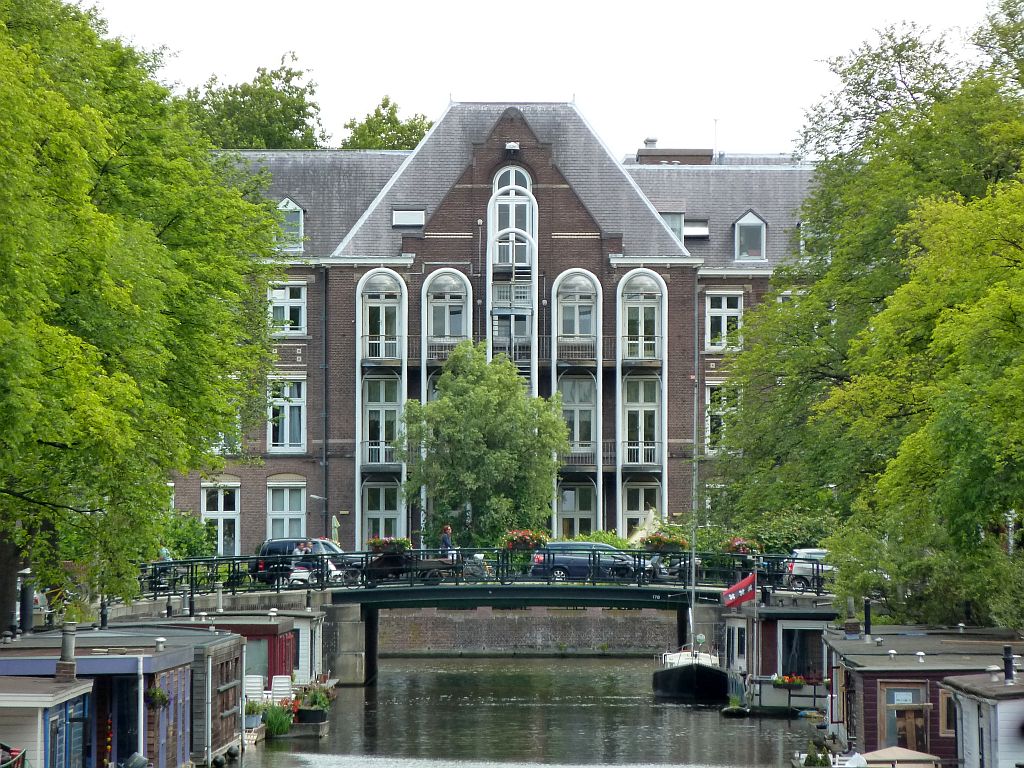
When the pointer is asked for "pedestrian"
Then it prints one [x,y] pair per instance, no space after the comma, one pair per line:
[165,553]
[446,542]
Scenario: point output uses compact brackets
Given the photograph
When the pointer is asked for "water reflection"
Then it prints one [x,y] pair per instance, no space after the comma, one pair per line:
[522,712]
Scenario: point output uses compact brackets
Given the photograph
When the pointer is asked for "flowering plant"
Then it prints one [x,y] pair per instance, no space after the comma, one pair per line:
[156,697]
[660,540]
[389,543]
[788,681]
[741,546]
[525,539]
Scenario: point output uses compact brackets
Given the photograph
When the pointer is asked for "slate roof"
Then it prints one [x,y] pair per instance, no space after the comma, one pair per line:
[333,187]
[722,194]
[599,180]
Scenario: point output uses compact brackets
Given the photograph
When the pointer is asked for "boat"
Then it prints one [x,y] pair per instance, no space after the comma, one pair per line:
[693,676]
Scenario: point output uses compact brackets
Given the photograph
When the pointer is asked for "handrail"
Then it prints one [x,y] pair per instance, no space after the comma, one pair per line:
[369,569]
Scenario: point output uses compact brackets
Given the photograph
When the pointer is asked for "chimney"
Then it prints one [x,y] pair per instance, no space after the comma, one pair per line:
[65,672]
[867,619]
[650,143]
[1008,664]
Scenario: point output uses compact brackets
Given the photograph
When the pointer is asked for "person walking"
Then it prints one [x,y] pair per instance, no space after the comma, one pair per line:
[446,542]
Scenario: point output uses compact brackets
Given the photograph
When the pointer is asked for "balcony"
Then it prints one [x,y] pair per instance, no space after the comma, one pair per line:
[641,453]
[517,348]
[582,454]
[641,350]
[440,347]
[381,349]
[512,295]
[577,349]
[379,453]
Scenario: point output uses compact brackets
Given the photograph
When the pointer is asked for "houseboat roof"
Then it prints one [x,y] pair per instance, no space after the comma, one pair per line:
[983,686]
[897,648]
[39,692]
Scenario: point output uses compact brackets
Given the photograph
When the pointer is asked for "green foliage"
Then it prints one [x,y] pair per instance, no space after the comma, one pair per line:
[604,537]
[133,278]
[277,719]
[276,110]
[316,697]
[877,409]
[485,450]
[813,757]
[255,707]
[382,129]
[186,535]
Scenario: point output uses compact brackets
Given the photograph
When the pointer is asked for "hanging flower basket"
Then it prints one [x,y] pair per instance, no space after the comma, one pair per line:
[156,698]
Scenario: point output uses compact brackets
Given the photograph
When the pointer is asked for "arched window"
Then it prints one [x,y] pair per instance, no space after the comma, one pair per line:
[514,208]
[382,294]
[448,315]
[576,318]
[641,312]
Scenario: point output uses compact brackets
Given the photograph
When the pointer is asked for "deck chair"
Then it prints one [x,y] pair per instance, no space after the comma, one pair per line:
[254,690]
[281,687]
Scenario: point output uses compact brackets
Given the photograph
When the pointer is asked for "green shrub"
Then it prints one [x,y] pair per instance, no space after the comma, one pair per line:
[316,698]
[604,537]
[278,720]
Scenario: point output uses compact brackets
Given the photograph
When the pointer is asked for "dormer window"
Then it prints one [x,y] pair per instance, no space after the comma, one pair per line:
[750,238]
[291,226]
[675,222]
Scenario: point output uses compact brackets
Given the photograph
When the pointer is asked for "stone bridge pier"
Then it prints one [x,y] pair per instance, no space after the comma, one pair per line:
[350,643]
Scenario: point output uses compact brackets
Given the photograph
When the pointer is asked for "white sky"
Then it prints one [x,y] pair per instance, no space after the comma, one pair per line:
[649,68]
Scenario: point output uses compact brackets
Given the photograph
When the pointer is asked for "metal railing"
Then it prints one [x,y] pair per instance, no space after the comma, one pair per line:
[641,452]
[378,347]
[378,452]
[641,348]
[165,580]
[581,453]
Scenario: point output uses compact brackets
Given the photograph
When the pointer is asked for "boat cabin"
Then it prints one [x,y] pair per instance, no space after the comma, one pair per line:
[988,713]
[45,720]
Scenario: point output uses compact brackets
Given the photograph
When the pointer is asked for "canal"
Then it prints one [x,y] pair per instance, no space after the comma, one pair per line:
[517,713]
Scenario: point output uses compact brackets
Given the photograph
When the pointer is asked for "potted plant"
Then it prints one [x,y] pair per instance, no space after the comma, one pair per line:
[313,706]
[156,697]
[663,541]
[253,714]
[278,719]
[788,681]
[388,544]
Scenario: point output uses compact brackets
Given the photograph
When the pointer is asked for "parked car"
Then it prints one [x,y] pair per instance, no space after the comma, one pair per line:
[275,559]
[806,570]
[564,560]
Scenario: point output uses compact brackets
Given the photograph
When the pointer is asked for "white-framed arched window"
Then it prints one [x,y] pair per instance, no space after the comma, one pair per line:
[447,309]
[577,317]
[515,216]
[641,318]
[381,307]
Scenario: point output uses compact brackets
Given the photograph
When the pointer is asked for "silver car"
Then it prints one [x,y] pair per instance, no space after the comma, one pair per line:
[806,570]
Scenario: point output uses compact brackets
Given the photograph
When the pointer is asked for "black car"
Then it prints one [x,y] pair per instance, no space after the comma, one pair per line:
[564,560]
[276,559]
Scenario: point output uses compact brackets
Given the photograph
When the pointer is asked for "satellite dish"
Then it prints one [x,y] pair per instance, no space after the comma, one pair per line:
[700,639]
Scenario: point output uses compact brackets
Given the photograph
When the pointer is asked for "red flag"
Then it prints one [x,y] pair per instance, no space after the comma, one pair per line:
[739,592]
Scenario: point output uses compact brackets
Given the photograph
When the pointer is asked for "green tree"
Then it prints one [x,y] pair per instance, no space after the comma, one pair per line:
[484,449]
[133,322]
[382,129]
[836,389]
[277,110]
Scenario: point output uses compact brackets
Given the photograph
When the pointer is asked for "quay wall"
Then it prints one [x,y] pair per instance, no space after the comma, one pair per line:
[536,630]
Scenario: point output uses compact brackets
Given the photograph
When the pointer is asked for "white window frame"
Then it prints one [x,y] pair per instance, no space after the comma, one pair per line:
[710,414]
[647,449]
[382,515]
[408,218]
[290,491]
[287,206]
[724,313]
[650,493]
[573,513]
[750,219]
[513,249]
[280,295]
[288,401]
[696,228]
[219,515]
[572,410]
[382,451]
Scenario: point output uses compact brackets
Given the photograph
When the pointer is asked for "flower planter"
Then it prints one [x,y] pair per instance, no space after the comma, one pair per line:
[253,721]
[790,686]
[307,715]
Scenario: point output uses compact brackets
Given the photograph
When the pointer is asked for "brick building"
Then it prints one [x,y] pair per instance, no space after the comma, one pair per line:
[619,284]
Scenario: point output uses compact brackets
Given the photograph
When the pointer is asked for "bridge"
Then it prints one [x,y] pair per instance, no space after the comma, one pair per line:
[353,588]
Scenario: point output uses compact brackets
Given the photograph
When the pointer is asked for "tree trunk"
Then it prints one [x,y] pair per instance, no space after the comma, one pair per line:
[10,564]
